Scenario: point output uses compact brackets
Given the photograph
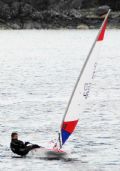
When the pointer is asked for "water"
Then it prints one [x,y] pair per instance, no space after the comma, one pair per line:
[38,70]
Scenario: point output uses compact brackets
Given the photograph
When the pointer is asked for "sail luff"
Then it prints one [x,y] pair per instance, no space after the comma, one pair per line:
[99,37]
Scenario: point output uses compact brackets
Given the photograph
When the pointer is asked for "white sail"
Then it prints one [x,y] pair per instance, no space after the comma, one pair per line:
[81,90]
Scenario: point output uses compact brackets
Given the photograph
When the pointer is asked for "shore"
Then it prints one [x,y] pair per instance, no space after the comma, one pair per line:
[65,19]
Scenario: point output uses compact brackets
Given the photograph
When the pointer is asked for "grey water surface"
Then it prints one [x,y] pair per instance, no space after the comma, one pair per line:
[38,70]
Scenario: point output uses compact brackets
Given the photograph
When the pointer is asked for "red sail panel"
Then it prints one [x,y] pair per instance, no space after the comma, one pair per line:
[101,35]
[69,126]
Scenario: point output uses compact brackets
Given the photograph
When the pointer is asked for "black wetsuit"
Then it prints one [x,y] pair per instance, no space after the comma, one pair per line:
[21,148]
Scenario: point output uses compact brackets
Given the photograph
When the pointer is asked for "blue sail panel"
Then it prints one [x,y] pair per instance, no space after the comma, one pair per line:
[65,135]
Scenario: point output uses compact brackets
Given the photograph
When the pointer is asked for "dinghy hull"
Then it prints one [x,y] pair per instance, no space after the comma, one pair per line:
[47,153]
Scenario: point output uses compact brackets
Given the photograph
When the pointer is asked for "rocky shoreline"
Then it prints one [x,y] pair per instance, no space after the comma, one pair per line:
[60,19]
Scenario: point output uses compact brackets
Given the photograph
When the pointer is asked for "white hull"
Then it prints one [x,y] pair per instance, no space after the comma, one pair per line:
[47,153]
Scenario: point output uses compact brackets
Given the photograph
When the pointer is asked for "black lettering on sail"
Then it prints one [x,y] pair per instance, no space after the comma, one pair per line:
[86,89]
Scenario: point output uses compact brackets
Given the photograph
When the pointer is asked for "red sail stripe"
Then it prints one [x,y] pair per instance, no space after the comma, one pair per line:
[69,126]
[101,36]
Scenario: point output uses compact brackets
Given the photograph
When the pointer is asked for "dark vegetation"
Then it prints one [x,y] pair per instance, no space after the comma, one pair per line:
[38,14]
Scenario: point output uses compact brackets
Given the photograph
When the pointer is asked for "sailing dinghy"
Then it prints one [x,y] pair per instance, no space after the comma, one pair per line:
[78,98]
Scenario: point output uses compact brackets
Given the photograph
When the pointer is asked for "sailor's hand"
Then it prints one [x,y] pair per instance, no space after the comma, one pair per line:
[55,146]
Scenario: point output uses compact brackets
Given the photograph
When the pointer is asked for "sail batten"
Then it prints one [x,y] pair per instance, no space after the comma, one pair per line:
[81,89]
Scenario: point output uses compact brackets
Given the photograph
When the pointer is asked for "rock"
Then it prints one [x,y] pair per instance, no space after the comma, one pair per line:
[74,14]
[83,27]
[102,10]
[37,25]
[14,26]
[32,25]
[28,25]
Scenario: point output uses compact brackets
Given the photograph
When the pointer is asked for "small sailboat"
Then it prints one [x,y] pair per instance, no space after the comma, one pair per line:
[78,97]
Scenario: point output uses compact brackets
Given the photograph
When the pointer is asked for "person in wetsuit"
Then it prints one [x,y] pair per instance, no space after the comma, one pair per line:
[19,147]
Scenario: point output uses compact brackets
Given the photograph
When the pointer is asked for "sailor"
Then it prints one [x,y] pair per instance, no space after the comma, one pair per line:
[19,147]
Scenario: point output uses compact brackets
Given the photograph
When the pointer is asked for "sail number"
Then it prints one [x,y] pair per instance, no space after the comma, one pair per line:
[88,85]
[86,90]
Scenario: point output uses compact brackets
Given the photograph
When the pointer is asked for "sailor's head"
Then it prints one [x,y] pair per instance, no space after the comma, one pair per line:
[14,136]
